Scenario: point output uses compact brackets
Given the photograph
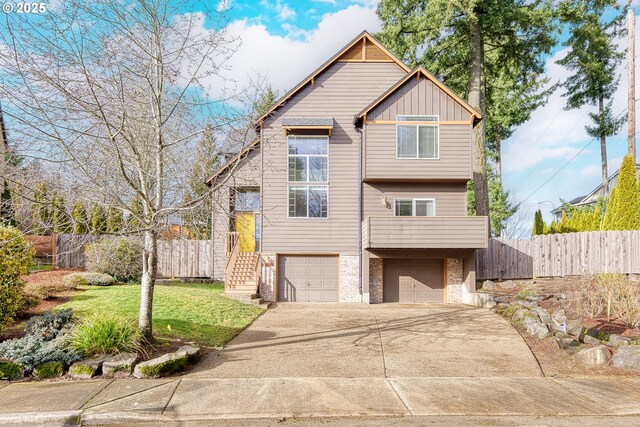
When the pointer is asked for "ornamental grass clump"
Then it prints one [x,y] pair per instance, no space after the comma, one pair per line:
[105,334]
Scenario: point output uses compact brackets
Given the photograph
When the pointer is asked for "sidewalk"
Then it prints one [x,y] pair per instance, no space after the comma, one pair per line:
[128,401]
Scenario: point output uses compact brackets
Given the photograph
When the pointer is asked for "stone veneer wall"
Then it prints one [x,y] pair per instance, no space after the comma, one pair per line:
[455,280]
[375,281]
[350,278]
[268,277]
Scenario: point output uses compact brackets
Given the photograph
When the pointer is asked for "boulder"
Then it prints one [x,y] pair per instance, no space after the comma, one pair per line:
[192,352]
[488,285]
[119,366]
[161,366]
[502,299]
[542,314]
[519,315]
[538,329]
[616,341]
[10,370]
[627,357]
[565,342]
[509,284]
[574,327]
[86,368]
[588,339]
[49,370]
[592,357]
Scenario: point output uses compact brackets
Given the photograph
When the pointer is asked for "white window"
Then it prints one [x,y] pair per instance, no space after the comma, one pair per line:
[419,141]
[415,207]
[308,158]
[308,202]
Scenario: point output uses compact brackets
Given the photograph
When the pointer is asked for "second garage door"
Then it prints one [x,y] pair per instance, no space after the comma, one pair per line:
[308,278]
[413,280]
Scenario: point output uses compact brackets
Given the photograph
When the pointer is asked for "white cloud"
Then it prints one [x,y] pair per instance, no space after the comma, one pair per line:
[285,13]
[224,5]
[324,1]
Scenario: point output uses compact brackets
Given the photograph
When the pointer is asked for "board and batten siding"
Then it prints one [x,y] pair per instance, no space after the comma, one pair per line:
[419,97]
[341,91]
[450,198]
[454,162]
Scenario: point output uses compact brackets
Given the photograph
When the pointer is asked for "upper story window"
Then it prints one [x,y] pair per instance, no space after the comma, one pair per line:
[417,141]
[308,158]
[415,207]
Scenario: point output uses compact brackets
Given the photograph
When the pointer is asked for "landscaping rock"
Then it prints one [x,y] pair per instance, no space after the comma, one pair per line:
[627,357]
[502,299]
[542,314]
[616,341]
[49,370]
[488,285]
[192,352]
[519,315]
[11,371]
[161,366]
[119,366]
[574,327]
[588,339]
[538,329]
[592,357]
[509,284]
[87,368]
[567,342]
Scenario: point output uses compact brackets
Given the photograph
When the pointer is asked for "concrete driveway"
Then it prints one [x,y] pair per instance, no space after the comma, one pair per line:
[302,340]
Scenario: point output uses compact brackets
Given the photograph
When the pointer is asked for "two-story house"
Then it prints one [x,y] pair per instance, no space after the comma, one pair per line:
[354,189]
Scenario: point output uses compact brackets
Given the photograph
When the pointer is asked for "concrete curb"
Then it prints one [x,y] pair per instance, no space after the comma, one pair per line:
[58,418]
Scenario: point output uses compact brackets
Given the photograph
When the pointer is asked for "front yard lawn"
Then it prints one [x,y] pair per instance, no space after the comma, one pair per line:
[195,312]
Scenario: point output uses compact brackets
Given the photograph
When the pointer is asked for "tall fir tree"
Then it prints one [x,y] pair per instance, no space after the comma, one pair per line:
[594,26]
[60,221]
[623,209]
[538,224]
[98,219]
[41,211]
[79,218]
[265,101]
[115,220]
[468,44]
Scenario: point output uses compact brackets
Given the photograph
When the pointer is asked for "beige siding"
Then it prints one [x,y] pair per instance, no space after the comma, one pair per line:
[454,162]
[419,97]
[426,232]
[343,90]
[451,199]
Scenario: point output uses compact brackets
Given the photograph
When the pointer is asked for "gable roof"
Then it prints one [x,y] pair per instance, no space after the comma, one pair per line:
[241,155]
[419,70]
[363,37]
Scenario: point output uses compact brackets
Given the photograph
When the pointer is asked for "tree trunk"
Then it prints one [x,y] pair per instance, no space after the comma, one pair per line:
[498,157]
[149,273]
[603,149]
[477,96]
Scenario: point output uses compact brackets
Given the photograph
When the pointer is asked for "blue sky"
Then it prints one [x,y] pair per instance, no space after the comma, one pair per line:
[291,38]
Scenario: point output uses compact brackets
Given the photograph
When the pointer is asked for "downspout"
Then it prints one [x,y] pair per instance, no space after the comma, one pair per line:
[360,210]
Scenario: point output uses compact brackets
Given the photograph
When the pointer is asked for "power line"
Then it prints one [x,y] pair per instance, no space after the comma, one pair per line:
[567,163]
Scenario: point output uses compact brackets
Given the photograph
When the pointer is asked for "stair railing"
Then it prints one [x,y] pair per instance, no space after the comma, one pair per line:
[232,251]
[258,272]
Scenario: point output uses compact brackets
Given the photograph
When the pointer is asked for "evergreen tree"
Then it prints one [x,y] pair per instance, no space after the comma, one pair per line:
[266,100]
[98,219]
[584,221]
[79,217]
[623,210]
[41,211]
[553,229]
[59,217]
[7,216]
[115,220]
[545,228]
[574,222]
[134,224]
[468,45]
[538,224]
[563,225]
[593,57]
[501,208]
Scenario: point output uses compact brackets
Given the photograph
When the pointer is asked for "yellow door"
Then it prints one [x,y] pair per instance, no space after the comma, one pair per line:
[246,228]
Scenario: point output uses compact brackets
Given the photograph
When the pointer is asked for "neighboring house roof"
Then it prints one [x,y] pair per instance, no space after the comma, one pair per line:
[307,121]
[571,202]
[239,156]
[364,38]
[419,70]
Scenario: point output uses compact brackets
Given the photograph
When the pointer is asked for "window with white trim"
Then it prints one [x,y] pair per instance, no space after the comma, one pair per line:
[419,141]
[415,207]
[308,166]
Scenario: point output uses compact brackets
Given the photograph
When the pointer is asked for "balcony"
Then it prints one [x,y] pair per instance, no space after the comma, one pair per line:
[436,232]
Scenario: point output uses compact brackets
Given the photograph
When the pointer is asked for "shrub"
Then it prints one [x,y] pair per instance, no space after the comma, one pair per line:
[104,334]
[16,256]
[121,257]
[47,290]
[89,279]
[46,341]
[612,294]
[626,306]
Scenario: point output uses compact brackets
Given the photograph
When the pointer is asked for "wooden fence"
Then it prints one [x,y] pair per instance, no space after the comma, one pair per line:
[559,255]
[176,258]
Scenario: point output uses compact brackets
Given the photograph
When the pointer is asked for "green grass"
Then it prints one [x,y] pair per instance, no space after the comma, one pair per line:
[41,267]
[195,312]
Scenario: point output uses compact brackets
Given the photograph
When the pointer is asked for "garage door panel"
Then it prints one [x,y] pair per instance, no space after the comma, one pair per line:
[414,280]
[308,278]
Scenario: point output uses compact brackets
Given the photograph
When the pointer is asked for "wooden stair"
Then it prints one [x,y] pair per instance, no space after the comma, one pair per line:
[243,281]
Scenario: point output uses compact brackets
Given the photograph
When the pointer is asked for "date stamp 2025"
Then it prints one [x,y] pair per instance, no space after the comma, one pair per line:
[37,8]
